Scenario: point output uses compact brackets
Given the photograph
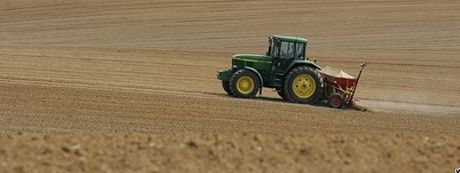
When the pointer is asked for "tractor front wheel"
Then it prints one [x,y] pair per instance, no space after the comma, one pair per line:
[226,86]
[244,84]
[303,85]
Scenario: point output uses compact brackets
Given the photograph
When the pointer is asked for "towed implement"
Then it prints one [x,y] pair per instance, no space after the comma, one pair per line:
[286,69]
[340,87]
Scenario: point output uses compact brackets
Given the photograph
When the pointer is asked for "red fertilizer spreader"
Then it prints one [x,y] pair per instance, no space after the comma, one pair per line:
[340,86]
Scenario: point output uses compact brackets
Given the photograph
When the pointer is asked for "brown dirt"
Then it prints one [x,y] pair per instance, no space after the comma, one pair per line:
[130,86]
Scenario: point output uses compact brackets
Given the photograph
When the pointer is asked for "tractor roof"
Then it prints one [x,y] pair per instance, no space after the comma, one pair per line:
[291,39]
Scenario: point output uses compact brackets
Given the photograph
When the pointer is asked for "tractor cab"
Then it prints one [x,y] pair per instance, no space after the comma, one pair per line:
[284,50]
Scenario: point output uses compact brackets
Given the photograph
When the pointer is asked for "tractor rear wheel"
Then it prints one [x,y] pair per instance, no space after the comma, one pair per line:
[244,84]
[226,86]
[303,85]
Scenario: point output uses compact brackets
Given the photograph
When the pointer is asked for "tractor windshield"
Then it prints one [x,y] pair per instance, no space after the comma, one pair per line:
[287,50]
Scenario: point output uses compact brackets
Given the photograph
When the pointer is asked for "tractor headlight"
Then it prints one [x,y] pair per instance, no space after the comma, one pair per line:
[234,66]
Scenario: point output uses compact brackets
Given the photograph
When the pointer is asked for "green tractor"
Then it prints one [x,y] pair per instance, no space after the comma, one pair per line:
[283,68]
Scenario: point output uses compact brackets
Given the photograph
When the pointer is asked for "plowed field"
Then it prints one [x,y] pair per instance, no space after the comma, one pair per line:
[130,86]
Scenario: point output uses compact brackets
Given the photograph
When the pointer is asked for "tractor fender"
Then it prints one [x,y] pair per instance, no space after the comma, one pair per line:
[260,77]
[303,63]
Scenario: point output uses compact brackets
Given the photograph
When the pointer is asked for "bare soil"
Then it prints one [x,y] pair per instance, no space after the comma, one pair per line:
[130,86]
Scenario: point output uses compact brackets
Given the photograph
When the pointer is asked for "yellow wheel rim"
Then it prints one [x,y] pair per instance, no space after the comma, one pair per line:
[245,84]
[304,86]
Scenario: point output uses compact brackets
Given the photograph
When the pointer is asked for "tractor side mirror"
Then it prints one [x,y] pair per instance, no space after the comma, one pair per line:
[363,64]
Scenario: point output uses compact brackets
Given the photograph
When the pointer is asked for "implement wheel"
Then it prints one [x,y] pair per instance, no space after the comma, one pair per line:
[303,85]
[244,84]
[335,100]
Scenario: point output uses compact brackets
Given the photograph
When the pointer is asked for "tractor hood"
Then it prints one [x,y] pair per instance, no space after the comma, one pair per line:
[252,58]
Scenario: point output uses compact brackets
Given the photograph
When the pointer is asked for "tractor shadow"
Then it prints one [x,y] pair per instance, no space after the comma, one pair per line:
[322,104]
[280,100]
[263,98]
[271,99]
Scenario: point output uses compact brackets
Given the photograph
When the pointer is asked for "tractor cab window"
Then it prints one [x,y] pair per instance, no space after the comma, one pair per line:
[287,50]
[300,51]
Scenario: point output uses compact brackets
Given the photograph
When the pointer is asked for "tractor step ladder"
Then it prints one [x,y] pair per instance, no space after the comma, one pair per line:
[278,79]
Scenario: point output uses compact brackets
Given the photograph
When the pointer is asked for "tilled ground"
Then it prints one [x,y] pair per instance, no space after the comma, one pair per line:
[242,152]
[130,86]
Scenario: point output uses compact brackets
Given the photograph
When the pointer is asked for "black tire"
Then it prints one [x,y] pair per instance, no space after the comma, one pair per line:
[234,80]
[289,91]
[336,100]
[226,86]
